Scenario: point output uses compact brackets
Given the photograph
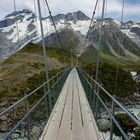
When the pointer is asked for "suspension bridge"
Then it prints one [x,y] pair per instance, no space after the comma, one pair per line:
[65,107]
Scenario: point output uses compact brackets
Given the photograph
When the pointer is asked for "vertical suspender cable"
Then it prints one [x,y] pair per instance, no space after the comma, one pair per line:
[45,14]
[103,38]
[117,71]
[99,44]
[15,9]
[44,51]
[36,24]
[58,37]
[91,22]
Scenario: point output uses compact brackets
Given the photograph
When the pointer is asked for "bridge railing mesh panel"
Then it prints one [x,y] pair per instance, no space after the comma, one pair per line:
[27,117]
[105,110]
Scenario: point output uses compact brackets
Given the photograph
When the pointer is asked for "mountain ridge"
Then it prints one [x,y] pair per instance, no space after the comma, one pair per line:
[77,22]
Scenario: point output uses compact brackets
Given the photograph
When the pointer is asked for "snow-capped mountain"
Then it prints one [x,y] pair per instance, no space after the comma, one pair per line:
[21,27]
[11,41]
[132,29]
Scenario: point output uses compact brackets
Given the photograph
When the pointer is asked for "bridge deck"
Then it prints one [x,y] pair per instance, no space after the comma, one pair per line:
[71,118]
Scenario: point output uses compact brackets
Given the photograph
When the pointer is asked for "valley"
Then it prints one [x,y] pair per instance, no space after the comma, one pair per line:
[22,62]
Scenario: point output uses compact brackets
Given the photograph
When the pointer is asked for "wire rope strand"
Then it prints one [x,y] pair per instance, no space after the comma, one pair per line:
[17,28]
[58,36]
[103,38]
[36,23]
[117,67]
[99,43]
[87,36]
[91,22]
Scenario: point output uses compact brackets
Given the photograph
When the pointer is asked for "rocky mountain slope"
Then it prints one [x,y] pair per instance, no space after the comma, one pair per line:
[24,71]
[72,27]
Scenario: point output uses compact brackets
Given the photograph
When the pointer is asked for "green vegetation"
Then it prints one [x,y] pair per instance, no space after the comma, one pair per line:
[127,64]
[107,75]
[124,84]
[24,71]
[126,123]
[62,55]
[69,40]
[137,133]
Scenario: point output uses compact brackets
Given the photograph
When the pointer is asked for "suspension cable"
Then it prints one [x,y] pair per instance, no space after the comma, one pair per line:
[36,23]
[91,22]
[103,37]
[106,8]
[15,9]
[117,68]
[99,43]
[58,37]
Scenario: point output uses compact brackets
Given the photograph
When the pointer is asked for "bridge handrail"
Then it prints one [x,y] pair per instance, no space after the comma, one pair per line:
[30,94]
[115,121]
[33,108]
[113,99]
[111,115]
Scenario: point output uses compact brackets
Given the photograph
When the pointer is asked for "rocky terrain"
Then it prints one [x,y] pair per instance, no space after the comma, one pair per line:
[119,39]
[22,65]
[24,71]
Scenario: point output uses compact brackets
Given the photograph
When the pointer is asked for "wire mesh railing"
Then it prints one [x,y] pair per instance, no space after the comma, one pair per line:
[105,109]
[27,118]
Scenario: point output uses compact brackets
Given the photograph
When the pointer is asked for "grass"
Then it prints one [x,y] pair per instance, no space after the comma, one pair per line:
[24,71]
[127,64]
[107,75]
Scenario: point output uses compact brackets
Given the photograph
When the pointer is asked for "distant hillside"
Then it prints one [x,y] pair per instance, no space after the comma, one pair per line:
[119,41]
[24,71]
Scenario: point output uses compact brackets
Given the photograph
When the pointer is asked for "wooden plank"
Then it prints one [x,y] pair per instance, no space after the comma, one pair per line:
[65,128]
[64,131]
[52,127]
[77,127]
[71,118]
[89,129]
[77,131]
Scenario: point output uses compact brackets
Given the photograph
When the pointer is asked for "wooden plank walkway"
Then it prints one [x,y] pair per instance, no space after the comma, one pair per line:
[71,118]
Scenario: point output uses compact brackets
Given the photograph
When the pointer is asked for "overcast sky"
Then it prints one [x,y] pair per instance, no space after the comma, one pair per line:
[113,7]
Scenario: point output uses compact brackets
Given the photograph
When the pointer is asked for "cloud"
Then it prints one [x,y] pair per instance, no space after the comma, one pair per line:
[113,9]
[130,9]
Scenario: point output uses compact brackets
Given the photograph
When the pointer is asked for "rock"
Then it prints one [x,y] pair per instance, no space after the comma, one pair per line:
[16,135]
[3,118]
[138,115]
[3,104]
[35,129]
[103,125]
[3,126]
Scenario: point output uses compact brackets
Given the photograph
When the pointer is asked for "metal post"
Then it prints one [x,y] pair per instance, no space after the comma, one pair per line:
[99,44]
[112,123]
[57,84]
[71,58]
[53,91]
[17,28]
[98,60]
[28,120]
[93,104]
[86,84]
[44,51]
[46,102]
[14,114]
[90,91]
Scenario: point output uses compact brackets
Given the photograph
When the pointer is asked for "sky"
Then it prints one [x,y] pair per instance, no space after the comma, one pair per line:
[113,8]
